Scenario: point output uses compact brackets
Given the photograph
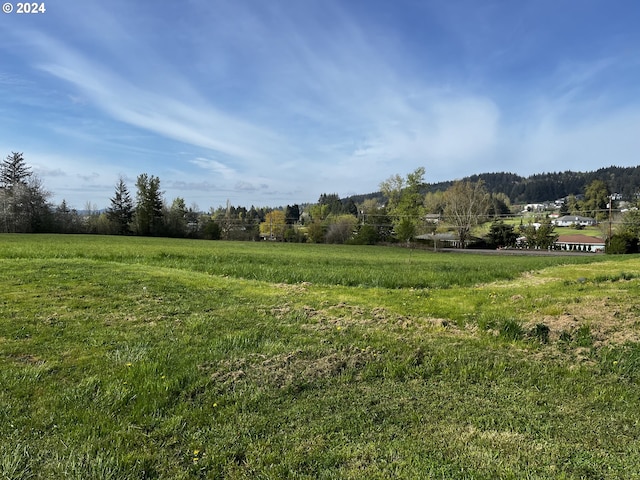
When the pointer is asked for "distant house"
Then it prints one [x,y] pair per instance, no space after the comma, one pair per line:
[580,243]
[534,207]
[569,220]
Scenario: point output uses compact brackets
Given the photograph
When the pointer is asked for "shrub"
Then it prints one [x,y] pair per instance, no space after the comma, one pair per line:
[621,244]
[367,235]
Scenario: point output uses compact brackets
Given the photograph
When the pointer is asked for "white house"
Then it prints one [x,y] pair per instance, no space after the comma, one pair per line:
[569,220]
[534,207]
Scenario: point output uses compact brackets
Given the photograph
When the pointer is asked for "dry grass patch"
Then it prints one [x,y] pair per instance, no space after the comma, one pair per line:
[301,287]
[610,322]
[294,368]
[344,316]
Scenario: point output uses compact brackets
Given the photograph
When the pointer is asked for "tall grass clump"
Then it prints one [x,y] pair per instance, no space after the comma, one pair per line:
[510,329]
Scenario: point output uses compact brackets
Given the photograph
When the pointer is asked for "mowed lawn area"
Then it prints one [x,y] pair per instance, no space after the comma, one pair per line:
[142,358]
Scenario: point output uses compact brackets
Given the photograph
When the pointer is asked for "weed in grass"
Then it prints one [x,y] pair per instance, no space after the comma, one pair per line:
[582,336]
[541,333]
[565,336]
[486,321]
[511,329]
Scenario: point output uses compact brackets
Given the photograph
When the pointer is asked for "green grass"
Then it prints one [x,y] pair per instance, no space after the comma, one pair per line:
[153,358]
[367,266]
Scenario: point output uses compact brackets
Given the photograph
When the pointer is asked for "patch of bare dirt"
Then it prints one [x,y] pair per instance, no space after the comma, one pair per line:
[609,322]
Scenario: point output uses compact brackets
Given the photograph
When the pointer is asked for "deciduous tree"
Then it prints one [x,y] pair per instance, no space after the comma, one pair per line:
[274,225]
[405,203]
[630,223]
[340,228]
[596,199]
[374,223]
[466,205]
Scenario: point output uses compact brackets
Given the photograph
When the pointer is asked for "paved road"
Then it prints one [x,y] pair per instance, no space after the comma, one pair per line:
[515,251]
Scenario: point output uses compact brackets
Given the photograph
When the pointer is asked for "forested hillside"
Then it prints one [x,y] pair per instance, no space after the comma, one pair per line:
[544,186]
[550,186]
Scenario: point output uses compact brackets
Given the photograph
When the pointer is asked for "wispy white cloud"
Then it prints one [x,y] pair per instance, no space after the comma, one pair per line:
[215,167]
[199,125]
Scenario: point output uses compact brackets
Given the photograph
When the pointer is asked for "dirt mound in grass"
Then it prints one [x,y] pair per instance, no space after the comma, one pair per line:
[301,367]
[342,316]
[607,322]
[295,368]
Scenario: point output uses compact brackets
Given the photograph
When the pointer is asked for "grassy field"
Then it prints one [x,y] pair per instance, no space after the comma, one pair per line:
[129,358]
[483,230]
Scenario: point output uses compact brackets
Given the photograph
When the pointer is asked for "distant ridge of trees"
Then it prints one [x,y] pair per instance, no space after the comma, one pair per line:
[540,187]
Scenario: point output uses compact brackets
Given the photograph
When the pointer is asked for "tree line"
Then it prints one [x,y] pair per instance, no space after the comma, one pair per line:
[25,208]
[405,209]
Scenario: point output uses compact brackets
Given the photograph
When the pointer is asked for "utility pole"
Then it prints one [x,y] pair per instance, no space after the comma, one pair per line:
[610,203]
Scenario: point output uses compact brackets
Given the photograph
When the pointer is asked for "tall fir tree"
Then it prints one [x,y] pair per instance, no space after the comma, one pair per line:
[14,171]
[23,200]
[149,205]
[120,212]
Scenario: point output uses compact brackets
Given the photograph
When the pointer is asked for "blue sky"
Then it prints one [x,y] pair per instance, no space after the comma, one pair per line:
[270,103]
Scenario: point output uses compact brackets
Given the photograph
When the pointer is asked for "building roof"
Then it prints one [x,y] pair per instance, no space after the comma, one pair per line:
[580,239]
[438,236]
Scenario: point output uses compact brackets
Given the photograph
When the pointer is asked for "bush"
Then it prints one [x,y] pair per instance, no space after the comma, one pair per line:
[367,235]
[212,230]
[620,244]
[294,235]
[315,232]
